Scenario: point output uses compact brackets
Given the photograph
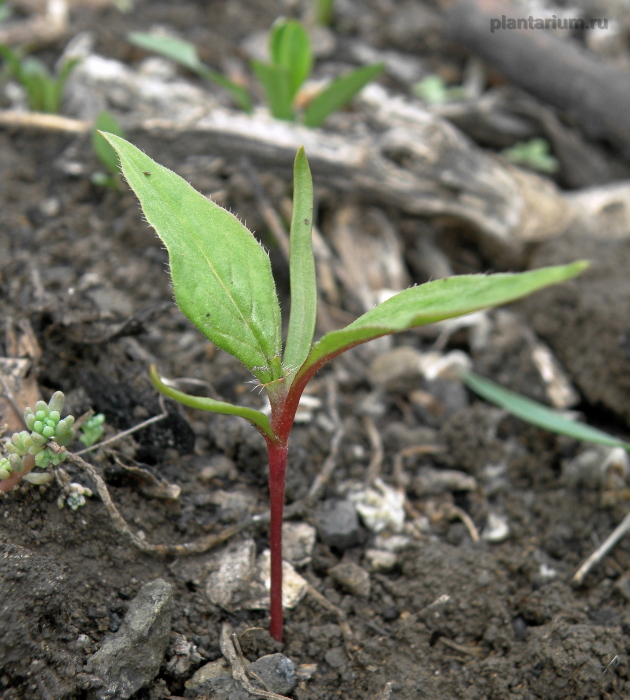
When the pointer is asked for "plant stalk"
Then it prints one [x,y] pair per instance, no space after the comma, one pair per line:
[277,468]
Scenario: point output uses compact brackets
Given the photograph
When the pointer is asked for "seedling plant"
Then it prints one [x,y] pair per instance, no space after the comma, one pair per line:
[105,153]
[281,79]
[35,447]
[43,90]
[534,154]
[223,283]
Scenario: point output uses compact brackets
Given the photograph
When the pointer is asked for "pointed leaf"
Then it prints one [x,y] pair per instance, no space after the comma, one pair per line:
[257,418]
[302,268]
[276,84]
[290,46]
[221,275]
[436,301]
[538,414]
[178,50]
[339,93]
[105,153]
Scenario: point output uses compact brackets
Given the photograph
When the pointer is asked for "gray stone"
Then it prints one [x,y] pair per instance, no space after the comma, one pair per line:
[230,585]
[338,524]
[131,658]
[298,540]
[353,578]
[336,657]
[275,670]
[398,370]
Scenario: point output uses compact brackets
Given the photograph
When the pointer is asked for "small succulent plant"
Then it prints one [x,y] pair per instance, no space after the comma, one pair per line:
[92,430]
[26,450]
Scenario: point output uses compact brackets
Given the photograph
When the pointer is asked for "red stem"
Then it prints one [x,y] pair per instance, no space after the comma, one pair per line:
[277,467]
[283,408]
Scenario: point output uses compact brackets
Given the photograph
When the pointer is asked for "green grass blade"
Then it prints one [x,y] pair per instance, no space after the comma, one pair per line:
[221,274]
[185,53]
[324,12]
[436,301]
[339,93]
[104,151]
[276,84]
[290,46]
[302,268]
[538,414]
[238,93]
[255,417]
[178,50]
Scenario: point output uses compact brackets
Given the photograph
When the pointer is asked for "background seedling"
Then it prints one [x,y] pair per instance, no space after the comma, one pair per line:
[185,53]
[434,90]
[290,66]
[534,154]
[5,10]
[92,430]
[26,450]
[43,90]
[324,12]
[105,153]
[537,414]
[223,283]
[281,78]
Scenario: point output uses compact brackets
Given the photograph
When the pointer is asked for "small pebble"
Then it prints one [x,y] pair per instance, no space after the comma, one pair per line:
[353,578]
[338,524]
[379,561]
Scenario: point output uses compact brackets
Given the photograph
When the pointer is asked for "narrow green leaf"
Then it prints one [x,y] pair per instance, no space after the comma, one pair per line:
[302,268]
[339,93]
[221,275]
[276,84]
[257,418]
[185,53]
[538,414]
[104,152]
[436,301]
[290,46]
[324,12]
[178,50]
[238,92]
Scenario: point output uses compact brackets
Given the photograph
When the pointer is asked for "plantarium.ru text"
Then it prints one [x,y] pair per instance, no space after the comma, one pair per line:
[223,283]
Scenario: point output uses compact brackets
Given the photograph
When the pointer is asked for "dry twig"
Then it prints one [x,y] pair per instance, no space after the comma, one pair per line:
[200,546]
[374,468]
[620,531]
[328,467]
[342,619]
[231,650]
[126,433]
[45,122]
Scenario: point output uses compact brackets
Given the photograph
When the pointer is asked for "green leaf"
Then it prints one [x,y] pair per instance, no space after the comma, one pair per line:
[185,53]
[12,59]
[276,83]
[290,46]
[239,94]
[538,414]
[105,153]
[324,12]
[302,268]
[178,50]
[436,301]
[257,418]
[339,93]
[221,274]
